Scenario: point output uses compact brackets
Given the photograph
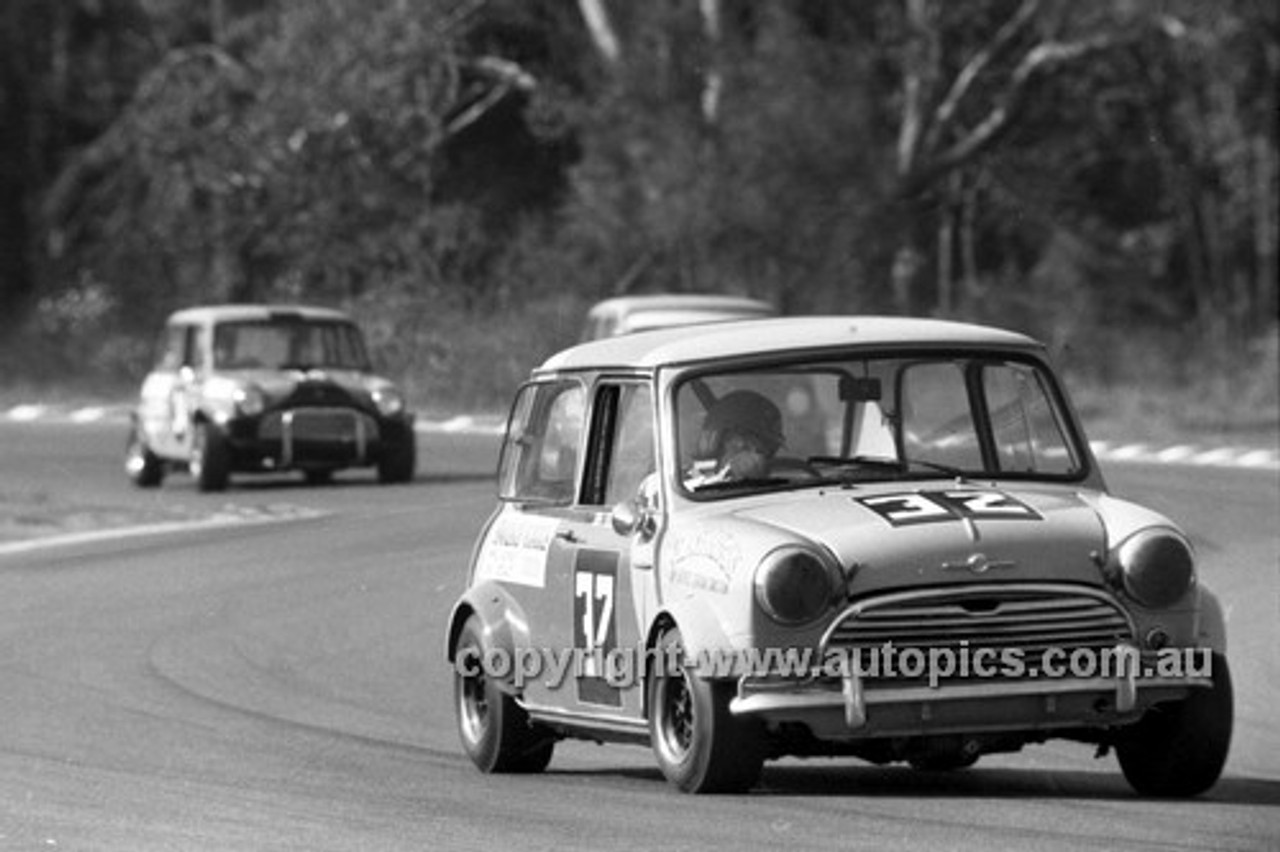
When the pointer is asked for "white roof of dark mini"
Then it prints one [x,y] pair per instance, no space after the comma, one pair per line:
[202,314]
[681,301]
[650,349]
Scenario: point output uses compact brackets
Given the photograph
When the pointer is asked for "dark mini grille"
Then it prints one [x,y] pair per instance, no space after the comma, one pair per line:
[324,425]
[314,394]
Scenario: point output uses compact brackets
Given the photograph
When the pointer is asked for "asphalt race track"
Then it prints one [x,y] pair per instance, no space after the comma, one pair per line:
[276,682]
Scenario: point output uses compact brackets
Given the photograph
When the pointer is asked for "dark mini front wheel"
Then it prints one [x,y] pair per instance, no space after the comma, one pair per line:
[142,466]
[495,731]
[210,462]
[318,475]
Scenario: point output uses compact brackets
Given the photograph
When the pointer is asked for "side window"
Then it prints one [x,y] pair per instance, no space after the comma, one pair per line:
[1028,435]
[633,457]
[196,358]
[171,348]
[540,453]
[937,422]
[189,346]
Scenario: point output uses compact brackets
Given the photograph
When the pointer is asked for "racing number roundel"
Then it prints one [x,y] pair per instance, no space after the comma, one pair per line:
[931,507]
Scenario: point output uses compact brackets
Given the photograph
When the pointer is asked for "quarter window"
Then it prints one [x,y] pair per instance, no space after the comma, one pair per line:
[541,451]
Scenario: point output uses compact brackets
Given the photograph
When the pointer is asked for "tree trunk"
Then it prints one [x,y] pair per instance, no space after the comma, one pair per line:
[596,17]
[17,285]
[1266,222]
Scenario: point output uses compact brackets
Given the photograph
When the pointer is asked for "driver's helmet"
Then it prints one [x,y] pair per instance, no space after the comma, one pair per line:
[746,413]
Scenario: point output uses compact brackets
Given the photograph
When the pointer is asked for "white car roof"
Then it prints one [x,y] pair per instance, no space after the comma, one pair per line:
[651,349]
[202,314]
[679,301]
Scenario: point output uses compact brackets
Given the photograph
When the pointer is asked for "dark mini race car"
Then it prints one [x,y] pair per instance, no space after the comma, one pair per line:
[877,537]
[255,388]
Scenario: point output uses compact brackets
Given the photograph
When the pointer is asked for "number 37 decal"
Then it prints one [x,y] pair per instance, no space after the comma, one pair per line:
[933,507]
[595,623]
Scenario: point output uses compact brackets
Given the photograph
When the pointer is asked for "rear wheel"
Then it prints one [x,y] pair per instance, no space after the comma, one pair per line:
[142,466]
[700,746]
[210,461]
[495,731]
[1179,748]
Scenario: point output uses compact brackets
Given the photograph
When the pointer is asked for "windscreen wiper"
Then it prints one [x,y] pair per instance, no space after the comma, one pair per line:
[884,463]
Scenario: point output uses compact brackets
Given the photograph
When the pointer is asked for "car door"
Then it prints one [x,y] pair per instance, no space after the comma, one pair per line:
[164,407]
[608,583]
[184,399]
[582,622]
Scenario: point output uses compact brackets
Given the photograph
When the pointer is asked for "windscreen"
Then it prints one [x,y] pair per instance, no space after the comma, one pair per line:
[873,418]
[288,344]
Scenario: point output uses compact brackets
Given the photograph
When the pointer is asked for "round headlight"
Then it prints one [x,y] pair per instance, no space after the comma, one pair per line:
[249,400]
[388,401]
[1157,567]
[794,585]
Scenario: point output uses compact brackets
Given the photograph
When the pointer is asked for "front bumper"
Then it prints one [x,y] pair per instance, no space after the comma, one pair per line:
[849,707]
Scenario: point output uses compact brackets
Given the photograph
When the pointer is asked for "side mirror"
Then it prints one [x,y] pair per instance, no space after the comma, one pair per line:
[629,519]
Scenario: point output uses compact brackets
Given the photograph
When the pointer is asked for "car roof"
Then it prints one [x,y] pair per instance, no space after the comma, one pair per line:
[727,340]
[216,313]
[679,301]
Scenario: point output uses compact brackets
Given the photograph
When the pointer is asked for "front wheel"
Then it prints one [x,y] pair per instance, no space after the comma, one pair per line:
[495,731]
[1179,749]
[318,475]
[700,746]
[141,465]
[210,462]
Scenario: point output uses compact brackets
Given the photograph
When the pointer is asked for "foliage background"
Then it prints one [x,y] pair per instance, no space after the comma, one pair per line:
[469,176]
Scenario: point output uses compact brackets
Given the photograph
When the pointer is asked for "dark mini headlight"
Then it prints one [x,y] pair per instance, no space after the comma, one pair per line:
[249,400]
[1157,567]
[387,400]
[794,585]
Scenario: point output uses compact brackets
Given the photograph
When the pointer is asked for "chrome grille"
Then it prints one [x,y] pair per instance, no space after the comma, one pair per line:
[338,435]
[1032,618]
[322,424]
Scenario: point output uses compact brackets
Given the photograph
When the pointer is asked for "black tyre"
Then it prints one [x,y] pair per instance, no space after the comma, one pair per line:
[495,730]
[398,463]
[142,466]
[700,746]
[210,462]
[1179,748]
[942,762]
[318,476]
